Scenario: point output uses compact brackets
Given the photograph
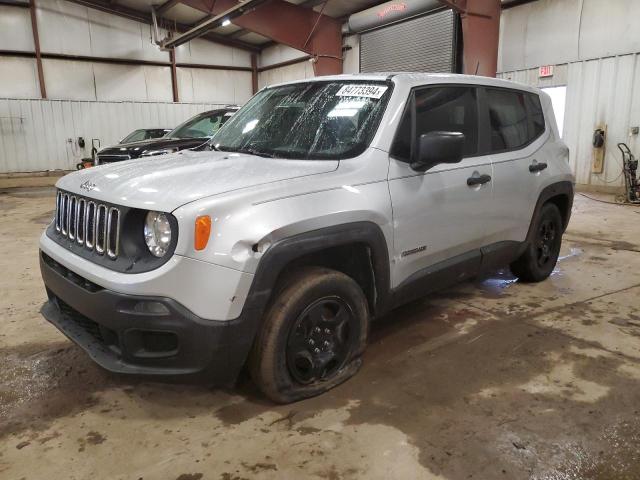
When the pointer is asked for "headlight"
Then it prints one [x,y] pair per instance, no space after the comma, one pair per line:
[157,233]
[163,151]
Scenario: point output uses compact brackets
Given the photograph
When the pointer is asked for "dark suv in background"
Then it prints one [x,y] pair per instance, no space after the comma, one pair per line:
[193,133]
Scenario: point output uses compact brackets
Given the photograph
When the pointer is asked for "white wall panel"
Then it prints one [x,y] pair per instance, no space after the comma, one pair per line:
[63,27]
[158,82]
[351,60]
[207,53]
[113,36]
[548,32]
[217,86]
[599,92]
[15,29]
[185,84]
[278,54]
[34,133]
[119,82]
[296,71]
[70,80]
[609,28]
[18,77]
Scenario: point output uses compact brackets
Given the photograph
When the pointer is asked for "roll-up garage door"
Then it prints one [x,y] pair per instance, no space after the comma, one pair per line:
[423,44]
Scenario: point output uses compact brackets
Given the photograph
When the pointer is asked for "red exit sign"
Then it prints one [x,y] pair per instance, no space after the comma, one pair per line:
[545,71]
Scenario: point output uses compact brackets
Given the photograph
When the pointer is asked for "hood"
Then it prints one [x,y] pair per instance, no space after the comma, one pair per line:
[135,149]
[167,182]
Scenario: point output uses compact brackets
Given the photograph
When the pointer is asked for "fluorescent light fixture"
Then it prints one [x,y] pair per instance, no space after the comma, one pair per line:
[226,22]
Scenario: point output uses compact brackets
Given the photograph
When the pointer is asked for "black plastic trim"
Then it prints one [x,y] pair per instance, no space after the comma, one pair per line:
[134,256]
[107,326]
[437,277]
[555,189]
[286,250]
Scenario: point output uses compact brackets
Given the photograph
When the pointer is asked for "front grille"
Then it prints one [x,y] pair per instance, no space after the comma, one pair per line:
[96,226]
[102,159]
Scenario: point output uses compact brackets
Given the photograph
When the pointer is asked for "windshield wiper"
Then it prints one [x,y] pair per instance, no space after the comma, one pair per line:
[251,151]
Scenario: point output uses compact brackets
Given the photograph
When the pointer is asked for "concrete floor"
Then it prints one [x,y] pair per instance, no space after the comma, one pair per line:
[493,380]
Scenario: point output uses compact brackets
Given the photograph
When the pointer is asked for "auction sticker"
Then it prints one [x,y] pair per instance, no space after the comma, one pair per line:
[369,91]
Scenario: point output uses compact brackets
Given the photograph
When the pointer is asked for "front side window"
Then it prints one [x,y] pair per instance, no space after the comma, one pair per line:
[508,119]
[202,126]
[445,109]
[315,120]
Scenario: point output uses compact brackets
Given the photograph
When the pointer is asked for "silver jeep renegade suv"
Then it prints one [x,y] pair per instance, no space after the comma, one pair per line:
[320,206]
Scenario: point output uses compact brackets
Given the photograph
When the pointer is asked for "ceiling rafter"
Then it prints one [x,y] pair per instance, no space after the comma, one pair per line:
[211,22]
[143,17]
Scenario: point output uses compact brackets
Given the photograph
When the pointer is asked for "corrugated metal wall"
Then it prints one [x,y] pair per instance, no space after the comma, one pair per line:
[594,46]
[94,99]
[34,133]
[603,91]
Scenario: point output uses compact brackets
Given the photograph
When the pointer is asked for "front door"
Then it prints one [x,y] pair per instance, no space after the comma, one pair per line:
[439,215]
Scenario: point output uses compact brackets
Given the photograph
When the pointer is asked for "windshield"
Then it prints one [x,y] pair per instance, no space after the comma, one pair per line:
[315,120]
[143,134]
[200,126]
[134,137]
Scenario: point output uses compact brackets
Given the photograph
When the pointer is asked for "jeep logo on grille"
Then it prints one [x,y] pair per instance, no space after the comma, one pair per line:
[88,186]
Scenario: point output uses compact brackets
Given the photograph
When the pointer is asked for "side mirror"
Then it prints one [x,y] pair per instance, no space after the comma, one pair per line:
[438,147]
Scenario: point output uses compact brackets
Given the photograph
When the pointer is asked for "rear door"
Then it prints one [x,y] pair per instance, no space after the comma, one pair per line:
[438,218]
[515,126]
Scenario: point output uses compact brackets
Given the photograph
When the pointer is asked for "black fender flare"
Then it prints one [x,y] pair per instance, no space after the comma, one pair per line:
[284,251]
[287,249]
[564,188]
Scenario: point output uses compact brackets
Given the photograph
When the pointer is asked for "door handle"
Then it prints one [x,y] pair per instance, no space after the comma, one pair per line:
[537,167]
[479,180]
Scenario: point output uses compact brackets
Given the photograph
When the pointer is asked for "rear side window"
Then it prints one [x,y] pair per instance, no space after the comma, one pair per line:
[537,116]
[516,119]
[448,109]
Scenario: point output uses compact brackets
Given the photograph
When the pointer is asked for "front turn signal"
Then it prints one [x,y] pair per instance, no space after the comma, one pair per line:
[202,232]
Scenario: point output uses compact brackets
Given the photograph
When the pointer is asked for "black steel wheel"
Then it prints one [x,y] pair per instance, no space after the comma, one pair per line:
[320,340]
[546,241]
[313,337]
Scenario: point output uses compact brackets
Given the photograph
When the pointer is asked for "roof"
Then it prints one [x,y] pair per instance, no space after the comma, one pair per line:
[414,79]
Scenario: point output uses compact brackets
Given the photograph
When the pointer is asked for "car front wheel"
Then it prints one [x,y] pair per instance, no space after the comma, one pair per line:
[313,336]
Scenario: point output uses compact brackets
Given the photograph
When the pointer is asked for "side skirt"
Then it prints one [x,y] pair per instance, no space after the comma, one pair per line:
[455,270]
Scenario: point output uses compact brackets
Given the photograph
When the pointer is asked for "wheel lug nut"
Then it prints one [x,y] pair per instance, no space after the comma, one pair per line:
[326,343]
[327,331]
[316,350]
[317,329]
[311,342]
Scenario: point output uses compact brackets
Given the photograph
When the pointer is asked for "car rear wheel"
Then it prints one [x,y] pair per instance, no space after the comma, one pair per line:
[313,336]
[541,255]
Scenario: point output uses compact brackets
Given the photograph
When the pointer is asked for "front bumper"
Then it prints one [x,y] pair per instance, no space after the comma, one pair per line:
[145,335]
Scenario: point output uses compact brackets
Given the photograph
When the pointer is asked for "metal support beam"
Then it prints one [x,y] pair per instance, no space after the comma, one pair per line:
[515,3]
[291,25]
[480,34]
[138,16]
[212,22]
[254,73]
[174,75]
[36,43]
[120,61]
[14,3]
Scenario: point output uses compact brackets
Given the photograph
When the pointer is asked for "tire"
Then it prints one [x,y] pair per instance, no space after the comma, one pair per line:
[290,360]
[541,254]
